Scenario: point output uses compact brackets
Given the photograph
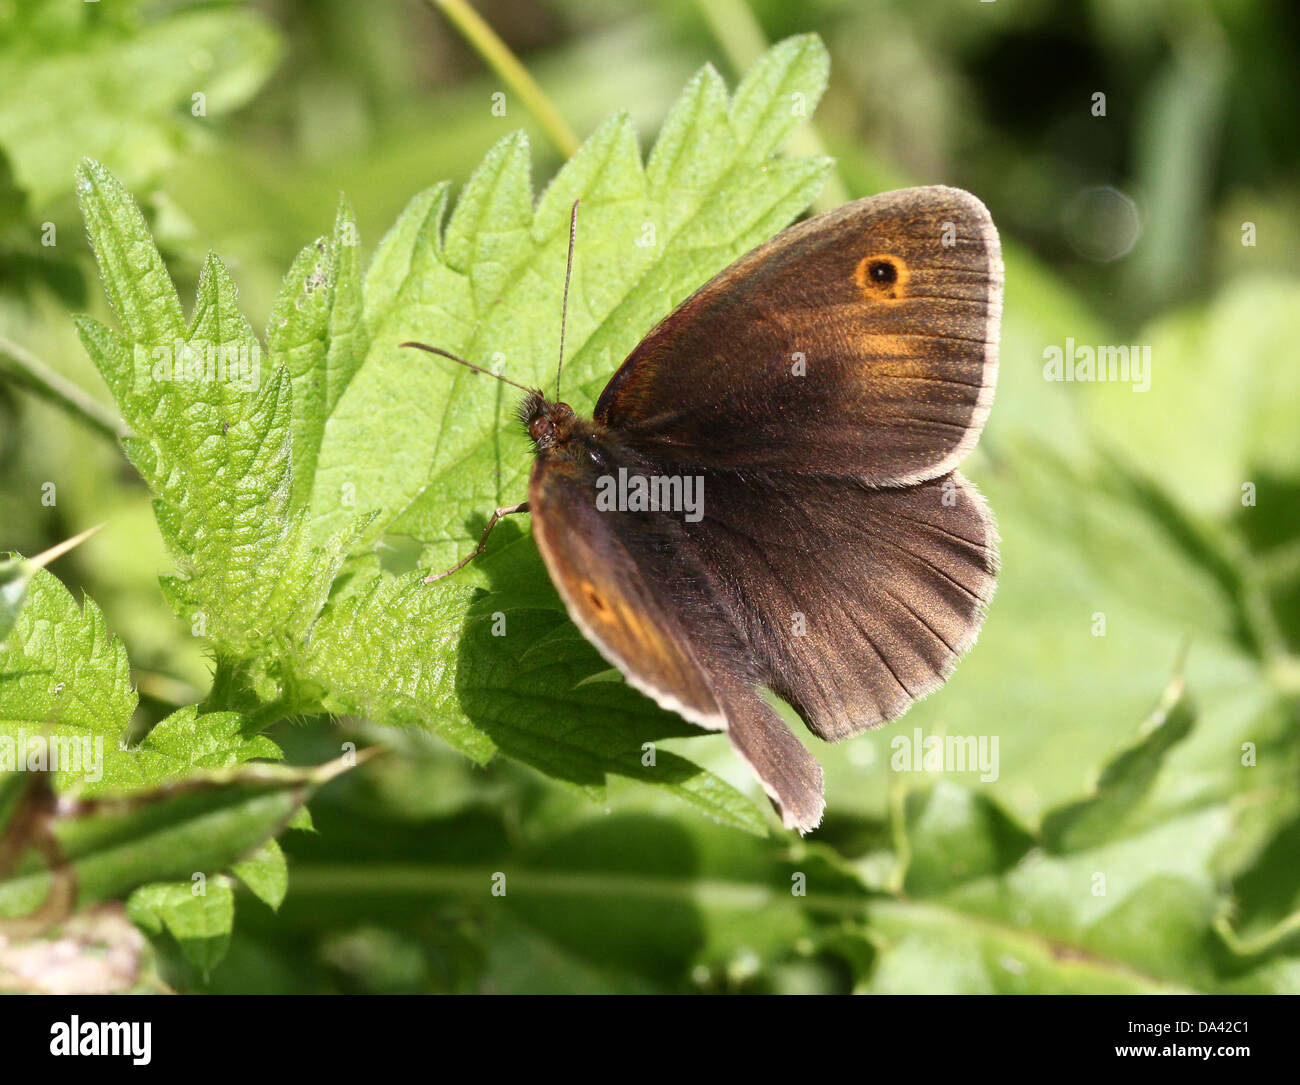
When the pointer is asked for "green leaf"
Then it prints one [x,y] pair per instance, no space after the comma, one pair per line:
[1231,367]
[1124,782]
[1105,508]
[75,81]
[265,873]
[301,820]
[1132,914]
[955,835]
[200,921]
[1113,896]
[214,437]
[62,677]
[186,740]
[317,332]
[513,667]
[132,271]
[17,573]
[271,478]
[65,694]
[421,442]
[15,576]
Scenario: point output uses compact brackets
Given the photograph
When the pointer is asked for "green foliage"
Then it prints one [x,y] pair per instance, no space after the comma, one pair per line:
[266,481]
[243,454]
[421,443]
[63,677]
[215,821]
[1124,782]
[199,922]
[266,873]
[17,574]
[66,704]
[132,84]
[948,893]
[117,83]
[88,852]
[1104,856]
[15,577]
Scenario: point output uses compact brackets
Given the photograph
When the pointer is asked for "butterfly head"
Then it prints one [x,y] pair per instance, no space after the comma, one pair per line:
[548,424]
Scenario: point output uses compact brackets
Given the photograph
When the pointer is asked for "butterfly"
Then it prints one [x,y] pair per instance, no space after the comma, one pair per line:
[766,501]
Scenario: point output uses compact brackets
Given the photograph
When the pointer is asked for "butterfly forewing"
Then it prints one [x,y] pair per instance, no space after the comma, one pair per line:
[862,342]
[655,616]
[599,564]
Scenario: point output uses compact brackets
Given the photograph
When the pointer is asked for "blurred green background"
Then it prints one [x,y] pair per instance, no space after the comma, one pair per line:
[1165,518]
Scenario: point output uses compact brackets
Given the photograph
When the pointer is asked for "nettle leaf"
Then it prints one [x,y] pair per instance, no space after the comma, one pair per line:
[266,873]
[1101,900]
[429,445]
[17,574]
[62,677]
[318,333]
[274,481]
[185,741]
[504,675]
[1124,781]
[213,432]
[65,694]
[200,922]
[82,80]
[15,577]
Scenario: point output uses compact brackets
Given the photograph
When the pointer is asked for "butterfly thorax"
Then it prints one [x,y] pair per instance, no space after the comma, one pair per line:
[557,432]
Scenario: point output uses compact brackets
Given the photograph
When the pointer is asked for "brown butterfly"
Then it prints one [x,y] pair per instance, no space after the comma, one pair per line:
[813,400]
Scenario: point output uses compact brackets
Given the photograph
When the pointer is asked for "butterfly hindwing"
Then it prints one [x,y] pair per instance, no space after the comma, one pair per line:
[854,601]
[849,601]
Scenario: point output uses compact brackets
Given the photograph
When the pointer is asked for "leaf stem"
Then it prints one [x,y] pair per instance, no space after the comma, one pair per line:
[736,30]
[501,60]
[25,369]
[59,549]
[1254,945]
[743,41]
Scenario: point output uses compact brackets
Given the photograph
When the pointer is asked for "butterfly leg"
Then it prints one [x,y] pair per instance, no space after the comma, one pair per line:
[505,510]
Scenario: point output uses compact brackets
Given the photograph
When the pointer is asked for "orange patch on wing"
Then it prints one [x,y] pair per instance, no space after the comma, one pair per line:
[894,356]
[621,625]
[593,597]
[613,611]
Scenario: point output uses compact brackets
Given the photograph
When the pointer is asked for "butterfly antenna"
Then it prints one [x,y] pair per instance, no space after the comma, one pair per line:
[564,311]
[469,365]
